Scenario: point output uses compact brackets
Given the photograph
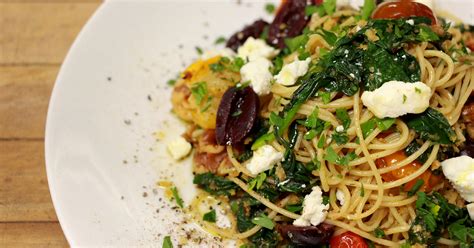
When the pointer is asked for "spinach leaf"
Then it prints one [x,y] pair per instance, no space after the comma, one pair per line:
[414,147]
[298,176]
[435,215]
[432,125]
[210,216]
[214,184]
[382,66]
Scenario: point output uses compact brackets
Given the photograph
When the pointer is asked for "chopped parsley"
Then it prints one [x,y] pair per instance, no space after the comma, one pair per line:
[210,216]
[270,8]
[199,91]
[263,221]
[199,50]
[379,233]
[362,190]
[321,141]
[167,242]
[220,40]
[226,63]
[332,157]
[258,181]
[237,113]
[176,197]
[340,137]
[325,96]
[417,186]
[344,117]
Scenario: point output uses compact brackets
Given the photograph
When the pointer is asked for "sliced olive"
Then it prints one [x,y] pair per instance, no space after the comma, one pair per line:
[253,30]
[307,236]
[289,21]
[236,116]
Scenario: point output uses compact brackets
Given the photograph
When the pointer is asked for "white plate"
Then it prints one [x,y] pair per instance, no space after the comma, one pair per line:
[103,159]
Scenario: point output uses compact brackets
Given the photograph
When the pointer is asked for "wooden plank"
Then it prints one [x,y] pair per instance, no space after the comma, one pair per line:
[24,97]
[40,33]
[36,235]
[24,193]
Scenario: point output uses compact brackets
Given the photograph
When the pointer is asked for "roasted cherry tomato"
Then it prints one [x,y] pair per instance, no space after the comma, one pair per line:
[403,9]
[430,180]
[348,240]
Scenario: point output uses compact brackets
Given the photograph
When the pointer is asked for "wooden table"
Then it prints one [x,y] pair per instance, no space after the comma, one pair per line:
[35,35]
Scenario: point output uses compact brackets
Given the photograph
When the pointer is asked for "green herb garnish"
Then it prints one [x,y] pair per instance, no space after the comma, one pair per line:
[176,197]
[210,216]
[263,221]
[270,8]
[167,242]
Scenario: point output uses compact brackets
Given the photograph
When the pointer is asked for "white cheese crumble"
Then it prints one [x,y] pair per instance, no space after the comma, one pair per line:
[264,158]
[314,211]
[179,148]
[460,171]
[411,22]
[256,48]
[225,52]
[470,210]
[339,129]
[222,220]
[258,74]
[396,98]
[292,71]
[340,197]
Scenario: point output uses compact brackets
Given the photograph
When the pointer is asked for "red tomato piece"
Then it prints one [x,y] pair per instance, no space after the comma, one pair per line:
[348,240]
[403,9]
[430,180]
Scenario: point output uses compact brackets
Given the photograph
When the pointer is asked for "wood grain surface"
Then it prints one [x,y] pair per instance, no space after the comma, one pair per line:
[34,39]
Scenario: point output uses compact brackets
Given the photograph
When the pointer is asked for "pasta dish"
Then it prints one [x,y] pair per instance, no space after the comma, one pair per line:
[334,126]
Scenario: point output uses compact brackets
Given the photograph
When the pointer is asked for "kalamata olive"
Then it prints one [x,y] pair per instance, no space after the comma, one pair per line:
[468,148]
[253,30]
[289,21]
[307,236]
[468,117]
[236,115]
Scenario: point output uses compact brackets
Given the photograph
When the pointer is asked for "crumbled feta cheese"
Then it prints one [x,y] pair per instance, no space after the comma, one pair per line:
[292,71]
[411,22]
[429,3]
[340,196]
[470,210]
[225,52]
[179,148]
[314,211]
[222,220]
[264,158]
[256,48]
[396,98]
[460,171]
[339,129]
[258,73]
